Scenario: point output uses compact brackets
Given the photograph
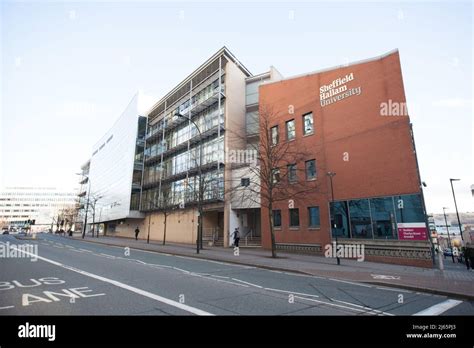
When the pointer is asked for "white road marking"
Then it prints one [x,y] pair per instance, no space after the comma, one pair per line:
[364,307]
[6,307]
[348,282]
[88,251]
[382,276]
[251,284]
[439,308]
[393,289]
[290,292]
[105,255]
[334,305]
[128,287]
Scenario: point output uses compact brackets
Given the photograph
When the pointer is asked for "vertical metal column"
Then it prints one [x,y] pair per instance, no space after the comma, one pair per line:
[161,163]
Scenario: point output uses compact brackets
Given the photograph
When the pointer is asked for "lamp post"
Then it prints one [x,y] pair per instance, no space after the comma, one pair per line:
[331,175]
[456,206]
[200,193]
[447,229]
[87,207]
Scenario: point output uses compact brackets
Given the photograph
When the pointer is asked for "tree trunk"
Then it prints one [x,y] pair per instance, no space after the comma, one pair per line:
[164,229]
[272,231]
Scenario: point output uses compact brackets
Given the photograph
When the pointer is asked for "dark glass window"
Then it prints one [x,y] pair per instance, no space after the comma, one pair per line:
[244,182]
[308,124]
[276,176]
[313,217]
[290,130]
[340,219]
[292,173]
[294,218]
[383,217]
[310,169]
[277,218]
[409,208]
[361,226]
[274,135]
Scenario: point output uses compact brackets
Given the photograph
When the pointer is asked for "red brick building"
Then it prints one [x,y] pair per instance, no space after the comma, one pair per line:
[351,121]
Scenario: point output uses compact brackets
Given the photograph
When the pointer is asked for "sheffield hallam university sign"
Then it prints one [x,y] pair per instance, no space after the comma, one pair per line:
[337,90]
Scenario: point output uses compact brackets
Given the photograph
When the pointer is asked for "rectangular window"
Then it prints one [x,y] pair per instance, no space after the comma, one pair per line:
[339,219]
[308,124]
[290,130]
[294,217]
[313,217]
[310,169]
[277,218]
[244,182]
[276,176]
[292,173]
[361,224]
[274,135]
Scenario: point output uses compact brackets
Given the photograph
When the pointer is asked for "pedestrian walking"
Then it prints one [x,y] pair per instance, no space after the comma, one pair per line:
[236,234]
[137,231]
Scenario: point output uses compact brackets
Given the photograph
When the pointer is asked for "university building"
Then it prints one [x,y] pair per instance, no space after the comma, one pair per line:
[350,121]
[350,124]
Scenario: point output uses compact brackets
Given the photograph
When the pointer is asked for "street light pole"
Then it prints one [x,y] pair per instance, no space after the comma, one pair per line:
[87,208]
[331,175]
[200,193]
[456,206]
[447,229]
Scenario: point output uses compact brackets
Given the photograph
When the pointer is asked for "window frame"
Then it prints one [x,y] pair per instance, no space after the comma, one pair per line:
[309,217]
[312,123]
[294,129]
[277,135]
[306,170]
[290,218]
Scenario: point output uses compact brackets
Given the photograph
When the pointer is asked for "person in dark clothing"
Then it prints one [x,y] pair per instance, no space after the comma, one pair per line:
[137,231]
[236,237]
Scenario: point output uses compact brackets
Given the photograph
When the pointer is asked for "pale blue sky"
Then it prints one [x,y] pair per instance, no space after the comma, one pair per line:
[69,69]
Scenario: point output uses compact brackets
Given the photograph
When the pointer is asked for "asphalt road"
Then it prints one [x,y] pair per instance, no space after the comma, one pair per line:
[73,277]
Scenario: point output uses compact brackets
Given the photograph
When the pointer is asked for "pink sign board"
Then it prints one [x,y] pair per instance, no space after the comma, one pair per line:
[412,231]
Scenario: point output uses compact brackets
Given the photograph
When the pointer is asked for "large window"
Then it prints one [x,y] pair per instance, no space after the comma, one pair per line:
[310,167]
[340,219]
[277,218]
[290,130]
[383,217]
[294,218]
[274,135]
[409,208]
[361,226]
[308,124]
[313,217]
[292,173]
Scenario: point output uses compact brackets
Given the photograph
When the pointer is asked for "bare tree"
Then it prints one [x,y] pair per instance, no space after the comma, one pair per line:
[279,173]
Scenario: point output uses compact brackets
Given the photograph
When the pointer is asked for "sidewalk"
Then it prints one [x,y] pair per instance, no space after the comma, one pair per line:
[454,282]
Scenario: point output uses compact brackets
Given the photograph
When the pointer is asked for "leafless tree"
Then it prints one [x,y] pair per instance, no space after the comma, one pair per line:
[279,174]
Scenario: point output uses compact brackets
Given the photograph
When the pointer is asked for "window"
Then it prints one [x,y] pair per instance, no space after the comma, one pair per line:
[361,226]
[383,217]
[290,130]
[294,217]
[274,135]
[310,169]
[292,173]
[245,182]
[276,176]
[409,208]
[308,124]
[339,219]
[313,217]
[277,218]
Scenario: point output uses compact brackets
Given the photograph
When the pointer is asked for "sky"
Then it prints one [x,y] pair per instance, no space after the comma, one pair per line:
[69,69]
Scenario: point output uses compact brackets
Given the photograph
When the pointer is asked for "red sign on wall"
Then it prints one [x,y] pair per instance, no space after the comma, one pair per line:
[412,231]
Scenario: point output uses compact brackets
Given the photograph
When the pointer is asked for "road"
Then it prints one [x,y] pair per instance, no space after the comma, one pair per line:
[73,277]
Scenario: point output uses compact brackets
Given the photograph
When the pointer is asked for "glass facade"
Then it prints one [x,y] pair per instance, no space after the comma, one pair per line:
[173,151]
[375,218]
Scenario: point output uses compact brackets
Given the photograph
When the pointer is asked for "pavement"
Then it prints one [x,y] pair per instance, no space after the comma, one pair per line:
[455,281]
[72,276]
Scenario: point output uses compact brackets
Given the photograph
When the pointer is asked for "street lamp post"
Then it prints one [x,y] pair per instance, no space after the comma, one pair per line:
[331,175]
[200,193]
[87,208]
[456,206]
[447,229]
